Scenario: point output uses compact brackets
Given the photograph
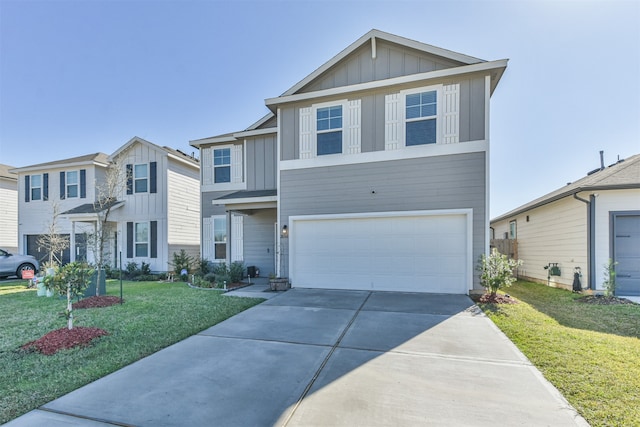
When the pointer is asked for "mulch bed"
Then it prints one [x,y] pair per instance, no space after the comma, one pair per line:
[494,299]
[64,338]
[603,300]
[97,301]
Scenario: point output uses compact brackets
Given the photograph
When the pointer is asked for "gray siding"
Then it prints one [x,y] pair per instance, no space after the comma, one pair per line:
[443,182]
[261,163]
[207,208]
[259,241]
[471,118]
[391,60]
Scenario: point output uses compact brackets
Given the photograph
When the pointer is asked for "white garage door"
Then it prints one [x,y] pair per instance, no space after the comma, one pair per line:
[389,252]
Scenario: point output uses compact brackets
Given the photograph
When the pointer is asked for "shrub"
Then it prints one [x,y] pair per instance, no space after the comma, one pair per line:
[496,271]
[236,271]
[132,270]
[71,281]
[204,267]
[609,282]
[210,277]
[145,269]
[182,261]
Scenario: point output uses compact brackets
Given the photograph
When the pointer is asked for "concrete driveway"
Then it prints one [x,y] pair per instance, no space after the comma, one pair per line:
[327,358]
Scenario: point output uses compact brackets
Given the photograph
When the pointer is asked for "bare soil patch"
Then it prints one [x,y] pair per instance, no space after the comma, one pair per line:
[603,300]
[64,338]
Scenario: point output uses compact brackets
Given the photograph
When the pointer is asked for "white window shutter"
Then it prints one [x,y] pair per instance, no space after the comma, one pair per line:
[236,163]
[352,127]
[392,124]
[450,113]
[237,237]
[207,166]
[208,250]
[306,134]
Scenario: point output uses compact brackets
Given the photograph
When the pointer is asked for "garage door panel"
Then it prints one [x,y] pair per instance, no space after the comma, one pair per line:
[399,253]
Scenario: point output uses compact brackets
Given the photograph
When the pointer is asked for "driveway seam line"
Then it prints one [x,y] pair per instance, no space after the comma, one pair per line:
[84,417]
[324,362]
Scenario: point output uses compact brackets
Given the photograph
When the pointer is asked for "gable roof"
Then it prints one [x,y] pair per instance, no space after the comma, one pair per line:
[370,37]
[175,154]
[98,159]
[624,174]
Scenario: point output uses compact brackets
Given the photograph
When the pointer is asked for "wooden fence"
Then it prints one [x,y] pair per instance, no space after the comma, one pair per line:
[508,247]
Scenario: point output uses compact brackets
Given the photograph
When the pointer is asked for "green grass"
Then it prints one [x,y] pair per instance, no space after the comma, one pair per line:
[154,316]
[591,353]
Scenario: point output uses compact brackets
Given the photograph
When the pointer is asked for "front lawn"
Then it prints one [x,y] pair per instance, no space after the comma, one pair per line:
[591,353]
[153,316]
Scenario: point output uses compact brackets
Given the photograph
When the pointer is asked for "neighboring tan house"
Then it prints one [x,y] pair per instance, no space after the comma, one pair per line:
[8,209]
[155,214]
[580,227]
[370,173]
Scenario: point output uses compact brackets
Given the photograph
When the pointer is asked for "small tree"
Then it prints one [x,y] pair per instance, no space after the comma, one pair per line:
[496,271]
[609,282]
[52,242]
[70,280]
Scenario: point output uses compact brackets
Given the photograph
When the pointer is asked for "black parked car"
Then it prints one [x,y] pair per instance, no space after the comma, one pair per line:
[14,265]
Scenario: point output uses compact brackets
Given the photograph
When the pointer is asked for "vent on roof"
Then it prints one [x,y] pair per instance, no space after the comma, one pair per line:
[601,164]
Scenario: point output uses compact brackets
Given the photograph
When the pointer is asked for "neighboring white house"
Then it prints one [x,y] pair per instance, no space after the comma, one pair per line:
[8,209]
[370,173]
[580,227]
[156,214]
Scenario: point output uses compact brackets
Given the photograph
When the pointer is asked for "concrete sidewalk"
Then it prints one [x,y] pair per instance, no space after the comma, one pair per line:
[327,358]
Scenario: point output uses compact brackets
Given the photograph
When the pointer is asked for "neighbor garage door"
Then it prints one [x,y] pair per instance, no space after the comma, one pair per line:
[419,252]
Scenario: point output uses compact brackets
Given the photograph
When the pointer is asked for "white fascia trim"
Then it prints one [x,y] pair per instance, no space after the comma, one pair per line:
[404,153]
[413,78]
[487,185]
[56,166]
[192,163]
[212,140]
[263,120]
[256,132]
[245,200]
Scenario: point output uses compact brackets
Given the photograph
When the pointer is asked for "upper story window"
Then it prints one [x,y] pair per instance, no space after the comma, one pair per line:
[421,110]
[36,187]
[221,165]
[422,116]
[140,178]
[72,184]
[329,130]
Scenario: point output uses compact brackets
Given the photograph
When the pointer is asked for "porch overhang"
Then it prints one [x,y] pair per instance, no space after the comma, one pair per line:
[89,212]
[248,200]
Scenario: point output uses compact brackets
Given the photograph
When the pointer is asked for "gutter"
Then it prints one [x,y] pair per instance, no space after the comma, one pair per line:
[591,234]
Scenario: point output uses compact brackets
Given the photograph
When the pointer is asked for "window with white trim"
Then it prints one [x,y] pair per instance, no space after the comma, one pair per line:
[72,184]
[220,237]
[513,230]
[421,113]
[36,187]
[141,178]
[422,116]
[221,165]
[329,130]
[141,239]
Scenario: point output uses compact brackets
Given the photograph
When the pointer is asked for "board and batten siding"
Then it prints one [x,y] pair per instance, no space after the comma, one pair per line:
[9,214]
[432,183]
[391,60]
[373,116]
[259,241]
[183,210]
[555,233]
[261,159]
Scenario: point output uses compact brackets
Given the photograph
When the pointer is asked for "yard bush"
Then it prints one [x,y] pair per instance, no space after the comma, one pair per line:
[496,271]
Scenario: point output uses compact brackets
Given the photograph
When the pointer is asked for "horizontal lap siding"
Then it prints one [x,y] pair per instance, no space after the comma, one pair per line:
[443,182]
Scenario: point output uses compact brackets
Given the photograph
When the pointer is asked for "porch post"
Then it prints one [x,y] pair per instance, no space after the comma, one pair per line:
[72,242]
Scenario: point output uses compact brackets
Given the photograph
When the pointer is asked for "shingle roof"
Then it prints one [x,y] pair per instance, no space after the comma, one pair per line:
[620,175]
[95,157]
[91,208]
[244,194]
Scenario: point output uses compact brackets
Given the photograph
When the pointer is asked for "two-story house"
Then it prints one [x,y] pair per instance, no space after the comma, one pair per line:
[155,210]
[370,173]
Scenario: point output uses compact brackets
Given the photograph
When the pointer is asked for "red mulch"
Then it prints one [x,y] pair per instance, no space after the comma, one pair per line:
[95,302]
[495,299]
[64,338]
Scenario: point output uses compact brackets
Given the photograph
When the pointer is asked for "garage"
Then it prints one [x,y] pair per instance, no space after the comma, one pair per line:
[419,251]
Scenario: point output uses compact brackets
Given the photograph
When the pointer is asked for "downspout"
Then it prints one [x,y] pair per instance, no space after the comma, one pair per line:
[591,232]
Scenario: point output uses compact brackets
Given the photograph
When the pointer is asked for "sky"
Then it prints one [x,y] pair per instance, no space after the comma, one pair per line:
[85,76]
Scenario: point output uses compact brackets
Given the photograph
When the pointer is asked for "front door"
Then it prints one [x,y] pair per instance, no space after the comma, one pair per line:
[626,253]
